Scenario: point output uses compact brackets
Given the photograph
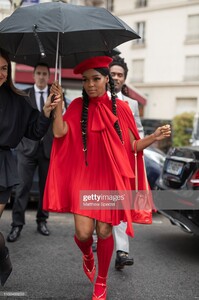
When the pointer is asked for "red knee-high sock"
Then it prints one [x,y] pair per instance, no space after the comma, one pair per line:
[104,254]
[86,248]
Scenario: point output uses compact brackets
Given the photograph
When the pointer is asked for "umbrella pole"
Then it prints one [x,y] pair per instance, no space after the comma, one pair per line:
[60,66]
[57,53]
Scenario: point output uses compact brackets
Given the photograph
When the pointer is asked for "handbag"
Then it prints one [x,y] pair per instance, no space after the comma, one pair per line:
[142,202]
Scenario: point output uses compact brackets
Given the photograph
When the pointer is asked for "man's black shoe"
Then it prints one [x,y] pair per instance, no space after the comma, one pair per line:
[42,228]
[122,260]
[14,233]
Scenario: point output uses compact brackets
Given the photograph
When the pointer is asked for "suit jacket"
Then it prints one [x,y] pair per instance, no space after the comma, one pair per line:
[133,104]
[29,147]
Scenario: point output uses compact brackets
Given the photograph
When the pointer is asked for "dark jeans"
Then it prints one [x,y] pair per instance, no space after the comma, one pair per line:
[26,169]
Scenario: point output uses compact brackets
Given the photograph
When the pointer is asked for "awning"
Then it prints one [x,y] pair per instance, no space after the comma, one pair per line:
[24,74]
[134,94]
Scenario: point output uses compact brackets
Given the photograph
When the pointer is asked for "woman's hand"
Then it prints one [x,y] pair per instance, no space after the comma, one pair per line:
[56,89]
[162,132]
[55,97]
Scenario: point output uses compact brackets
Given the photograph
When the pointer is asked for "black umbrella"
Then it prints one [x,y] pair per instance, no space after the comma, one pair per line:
[68,61]
[60,29]
[81,28]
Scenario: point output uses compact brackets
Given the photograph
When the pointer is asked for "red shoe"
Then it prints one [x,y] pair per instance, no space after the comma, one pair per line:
[103,295]
[89,273]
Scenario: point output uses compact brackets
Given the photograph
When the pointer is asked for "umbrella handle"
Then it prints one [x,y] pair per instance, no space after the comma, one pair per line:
[57,53]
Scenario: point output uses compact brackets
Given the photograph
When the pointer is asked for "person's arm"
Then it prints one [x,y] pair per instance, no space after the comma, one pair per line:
[159,134]
[60,127]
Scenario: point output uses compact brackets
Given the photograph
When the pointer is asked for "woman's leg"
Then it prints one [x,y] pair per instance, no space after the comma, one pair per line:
[4,197]
[5,263]
[84,228]
[2,206]
[105,247]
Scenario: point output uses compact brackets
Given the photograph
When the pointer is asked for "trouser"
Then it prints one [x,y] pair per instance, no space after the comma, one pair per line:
[26,169]
[121,238]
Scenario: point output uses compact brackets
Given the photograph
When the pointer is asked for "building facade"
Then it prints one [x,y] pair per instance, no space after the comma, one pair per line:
[164,63]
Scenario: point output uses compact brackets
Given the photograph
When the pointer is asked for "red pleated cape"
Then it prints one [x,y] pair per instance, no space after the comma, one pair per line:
[110,162]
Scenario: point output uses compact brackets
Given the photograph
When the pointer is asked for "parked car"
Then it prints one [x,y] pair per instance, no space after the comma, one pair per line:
[178,184]
[154,161]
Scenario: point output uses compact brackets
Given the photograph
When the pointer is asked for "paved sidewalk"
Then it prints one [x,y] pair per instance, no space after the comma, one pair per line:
[50,267]
[47,267]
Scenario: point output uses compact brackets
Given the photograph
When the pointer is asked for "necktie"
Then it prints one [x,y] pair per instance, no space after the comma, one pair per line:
[41,101]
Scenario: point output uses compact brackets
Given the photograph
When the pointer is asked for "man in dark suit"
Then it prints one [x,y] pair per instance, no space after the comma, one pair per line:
[30,155]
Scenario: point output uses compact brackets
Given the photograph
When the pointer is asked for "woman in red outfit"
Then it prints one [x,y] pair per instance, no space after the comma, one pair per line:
[92,151]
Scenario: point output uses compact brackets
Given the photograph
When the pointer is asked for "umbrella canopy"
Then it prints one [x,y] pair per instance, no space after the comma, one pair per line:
[68,61]
[33,30]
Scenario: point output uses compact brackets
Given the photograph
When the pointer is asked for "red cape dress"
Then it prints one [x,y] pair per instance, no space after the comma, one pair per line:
[110,162]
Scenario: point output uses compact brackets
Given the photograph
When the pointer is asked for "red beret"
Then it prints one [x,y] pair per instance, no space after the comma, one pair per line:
[93,63]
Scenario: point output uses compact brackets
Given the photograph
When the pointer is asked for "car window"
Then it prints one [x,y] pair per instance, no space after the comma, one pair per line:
[154,155]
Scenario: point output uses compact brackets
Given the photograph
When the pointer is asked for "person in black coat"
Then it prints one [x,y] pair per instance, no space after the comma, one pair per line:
[17,119]
[30,155]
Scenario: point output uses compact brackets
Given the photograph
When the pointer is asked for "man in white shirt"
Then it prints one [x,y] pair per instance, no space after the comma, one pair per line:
[118,70]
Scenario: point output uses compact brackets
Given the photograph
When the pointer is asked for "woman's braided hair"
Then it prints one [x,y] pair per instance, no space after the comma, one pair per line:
[84,119]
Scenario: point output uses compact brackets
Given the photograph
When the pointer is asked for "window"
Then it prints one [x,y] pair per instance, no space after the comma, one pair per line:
[5,4]
[140,3]
[140,30]
[185,105]
[18,3]
[94,2]
[191,68]
[138,70]
[193,28]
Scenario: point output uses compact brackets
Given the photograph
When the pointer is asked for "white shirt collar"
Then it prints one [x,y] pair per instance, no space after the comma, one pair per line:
[119,95]
[37,90]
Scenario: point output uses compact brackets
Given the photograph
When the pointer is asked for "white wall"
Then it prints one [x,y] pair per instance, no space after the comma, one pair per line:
[164,53]
[163,101]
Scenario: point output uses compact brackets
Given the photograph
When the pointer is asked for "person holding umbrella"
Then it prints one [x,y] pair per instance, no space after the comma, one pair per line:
[30,155]
[92,152]
[17,119]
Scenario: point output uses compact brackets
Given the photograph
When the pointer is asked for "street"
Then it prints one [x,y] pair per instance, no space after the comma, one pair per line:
[166,263]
